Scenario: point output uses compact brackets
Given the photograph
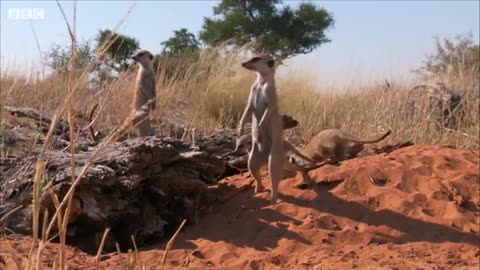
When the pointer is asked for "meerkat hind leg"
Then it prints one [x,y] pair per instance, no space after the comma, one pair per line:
[143,128]
[256,159]
[275,169]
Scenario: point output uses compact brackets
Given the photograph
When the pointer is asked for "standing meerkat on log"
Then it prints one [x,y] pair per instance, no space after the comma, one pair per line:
[145,90]
[267,131]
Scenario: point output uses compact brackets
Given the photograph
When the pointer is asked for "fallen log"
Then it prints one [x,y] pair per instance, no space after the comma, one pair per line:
[41,119]
[62,128]
[142,187]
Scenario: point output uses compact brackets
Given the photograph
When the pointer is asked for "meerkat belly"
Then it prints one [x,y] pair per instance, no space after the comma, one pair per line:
[260,105]
[140,96]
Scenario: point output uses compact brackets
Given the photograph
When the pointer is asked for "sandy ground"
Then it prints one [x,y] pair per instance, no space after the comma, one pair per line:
[415,208]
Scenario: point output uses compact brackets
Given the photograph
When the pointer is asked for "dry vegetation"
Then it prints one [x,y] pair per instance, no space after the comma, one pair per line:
[210,95]
[213,92]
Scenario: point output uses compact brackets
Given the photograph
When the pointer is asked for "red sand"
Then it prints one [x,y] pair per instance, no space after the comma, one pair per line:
[415,208]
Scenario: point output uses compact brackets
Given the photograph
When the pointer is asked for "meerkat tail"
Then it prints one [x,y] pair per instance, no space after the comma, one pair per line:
[357,140]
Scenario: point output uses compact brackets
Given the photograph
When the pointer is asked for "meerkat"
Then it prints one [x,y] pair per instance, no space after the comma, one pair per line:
[267,132]
[335,145]
[244,142]
[145,89]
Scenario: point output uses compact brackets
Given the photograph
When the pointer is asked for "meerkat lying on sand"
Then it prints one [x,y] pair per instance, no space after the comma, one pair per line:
[335,145]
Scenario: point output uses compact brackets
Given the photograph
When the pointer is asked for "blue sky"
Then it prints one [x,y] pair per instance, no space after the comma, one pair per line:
[371,39]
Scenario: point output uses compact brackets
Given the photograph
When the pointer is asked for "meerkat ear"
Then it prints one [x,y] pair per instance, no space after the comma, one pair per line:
[150,56]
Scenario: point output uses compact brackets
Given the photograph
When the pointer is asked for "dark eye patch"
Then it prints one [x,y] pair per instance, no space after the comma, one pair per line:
[255,59]
[140,54]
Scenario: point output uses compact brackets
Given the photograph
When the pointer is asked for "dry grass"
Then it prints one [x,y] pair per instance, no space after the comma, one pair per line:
[210,93]
[213,90]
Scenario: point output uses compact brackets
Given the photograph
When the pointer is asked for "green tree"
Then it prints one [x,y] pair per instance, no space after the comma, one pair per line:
[58,57]
[267,26]
[457,58]
[179,54]
[120,50]
[182,41]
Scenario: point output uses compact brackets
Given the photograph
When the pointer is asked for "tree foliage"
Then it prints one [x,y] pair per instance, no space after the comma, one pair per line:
[179,53]
[458,57]
[120,50]
[267,26]
[58,57]
[181,42]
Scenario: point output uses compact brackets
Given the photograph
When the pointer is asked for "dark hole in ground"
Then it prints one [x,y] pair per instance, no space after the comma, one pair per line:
[230,171]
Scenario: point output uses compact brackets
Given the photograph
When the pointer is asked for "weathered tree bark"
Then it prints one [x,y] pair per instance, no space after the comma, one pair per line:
[43,121]
[141,187]
[62,128]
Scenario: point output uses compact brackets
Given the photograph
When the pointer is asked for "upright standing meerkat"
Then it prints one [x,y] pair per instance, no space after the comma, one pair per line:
[336,145]
[145,89]
[267,131]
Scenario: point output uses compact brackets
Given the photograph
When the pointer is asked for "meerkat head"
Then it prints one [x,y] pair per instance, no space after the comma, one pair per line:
[260,63]
[143,58]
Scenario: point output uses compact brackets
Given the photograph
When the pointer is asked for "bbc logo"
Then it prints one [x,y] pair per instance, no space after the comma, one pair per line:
[26,13]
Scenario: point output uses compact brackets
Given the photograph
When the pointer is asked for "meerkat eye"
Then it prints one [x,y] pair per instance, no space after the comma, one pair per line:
[140,54]
[255,59]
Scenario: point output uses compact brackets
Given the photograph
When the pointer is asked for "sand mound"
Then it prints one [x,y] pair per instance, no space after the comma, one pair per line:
[417,207]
